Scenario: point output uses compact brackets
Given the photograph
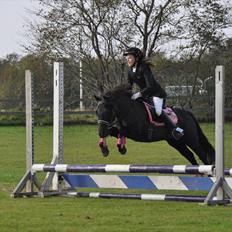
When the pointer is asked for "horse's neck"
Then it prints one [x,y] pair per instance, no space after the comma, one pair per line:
[122,106]
[126,109]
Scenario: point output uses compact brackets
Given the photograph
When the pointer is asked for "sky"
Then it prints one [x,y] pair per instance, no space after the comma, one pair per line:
[13,15]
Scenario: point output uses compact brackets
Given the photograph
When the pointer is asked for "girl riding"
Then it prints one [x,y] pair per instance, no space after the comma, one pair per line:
[140,73]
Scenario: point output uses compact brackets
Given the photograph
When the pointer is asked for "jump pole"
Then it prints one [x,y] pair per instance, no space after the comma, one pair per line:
[220,188]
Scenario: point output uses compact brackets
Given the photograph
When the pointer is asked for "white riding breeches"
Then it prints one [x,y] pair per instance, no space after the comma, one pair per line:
[158,104]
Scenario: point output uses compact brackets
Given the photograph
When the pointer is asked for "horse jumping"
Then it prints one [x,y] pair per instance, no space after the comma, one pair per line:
[133,123]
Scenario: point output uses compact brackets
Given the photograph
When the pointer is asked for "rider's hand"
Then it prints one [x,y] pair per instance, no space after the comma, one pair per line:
[136,95]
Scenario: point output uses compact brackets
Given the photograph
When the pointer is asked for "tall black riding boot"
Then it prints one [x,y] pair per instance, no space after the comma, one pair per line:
[177,132]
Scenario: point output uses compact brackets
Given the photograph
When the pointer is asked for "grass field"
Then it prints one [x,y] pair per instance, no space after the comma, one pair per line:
[93,215]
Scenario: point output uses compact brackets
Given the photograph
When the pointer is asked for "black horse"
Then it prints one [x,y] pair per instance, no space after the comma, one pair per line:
[132,122]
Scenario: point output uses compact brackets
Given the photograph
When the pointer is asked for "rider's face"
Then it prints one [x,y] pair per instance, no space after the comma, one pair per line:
[130,60]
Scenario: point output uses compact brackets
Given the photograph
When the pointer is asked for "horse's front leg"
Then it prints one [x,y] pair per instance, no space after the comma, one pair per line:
[104,148]
[121,144]
[119,132]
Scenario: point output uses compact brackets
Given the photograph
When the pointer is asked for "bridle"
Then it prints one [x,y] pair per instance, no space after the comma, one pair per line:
[104,122]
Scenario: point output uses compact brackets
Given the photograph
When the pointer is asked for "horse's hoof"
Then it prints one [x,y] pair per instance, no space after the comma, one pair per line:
[122,150]
[105,151]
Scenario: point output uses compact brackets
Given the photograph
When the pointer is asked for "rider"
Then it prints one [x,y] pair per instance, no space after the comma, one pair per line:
[140,73]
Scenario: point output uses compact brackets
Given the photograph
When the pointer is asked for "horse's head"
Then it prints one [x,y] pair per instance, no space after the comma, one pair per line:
[108,107]
[105,115]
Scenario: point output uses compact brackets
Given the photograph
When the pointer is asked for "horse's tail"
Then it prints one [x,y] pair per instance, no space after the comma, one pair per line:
[209,149]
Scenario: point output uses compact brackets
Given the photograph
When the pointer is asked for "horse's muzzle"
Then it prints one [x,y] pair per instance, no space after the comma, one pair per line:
[103,129]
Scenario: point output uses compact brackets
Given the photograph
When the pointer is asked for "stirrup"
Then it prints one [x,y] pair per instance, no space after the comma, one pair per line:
[177,133]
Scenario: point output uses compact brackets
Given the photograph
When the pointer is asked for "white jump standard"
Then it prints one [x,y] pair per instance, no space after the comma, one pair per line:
[58,172]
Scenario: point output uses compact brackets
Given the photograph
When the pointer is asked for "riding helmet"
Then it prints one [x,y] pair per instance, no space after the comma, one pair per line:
[134,51]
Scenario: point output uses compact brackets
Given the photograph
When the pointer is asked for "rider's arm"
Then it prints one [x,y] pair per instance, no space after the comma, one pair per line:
[152,88]
[150,81]
[129,79]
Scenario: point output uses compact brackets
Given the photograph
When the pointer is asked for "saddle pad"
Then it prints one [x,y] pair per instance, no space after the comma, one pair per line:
[172,115]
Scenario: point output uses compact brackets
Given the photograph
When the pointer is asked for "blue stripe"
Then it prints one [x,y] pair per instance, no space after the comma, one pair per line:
[197,183]
[84,181]
[138,182]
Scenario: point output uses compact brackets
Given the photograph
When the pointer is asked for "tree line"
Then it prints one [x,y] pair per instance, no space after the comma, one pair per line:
[169,72]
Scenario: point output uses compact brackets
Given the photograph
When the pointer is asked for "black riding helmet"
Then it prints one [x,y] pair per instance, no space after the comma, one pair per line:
[134,51]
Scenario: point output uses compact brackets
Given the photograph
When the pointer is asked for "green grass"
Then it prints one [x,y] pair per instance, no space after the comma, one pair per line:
[93,215]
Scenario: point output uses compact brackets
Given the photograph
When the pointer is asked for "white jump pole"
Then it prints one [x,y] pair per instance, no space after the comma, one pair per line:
[29,120]
[29,126]
[219,126]
[28,181]
[58,118]
[220,189]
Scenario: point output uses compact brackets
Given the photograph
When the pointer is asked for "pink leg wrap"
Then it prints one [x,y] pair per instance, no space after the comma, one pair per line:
[121,141]
[102,142]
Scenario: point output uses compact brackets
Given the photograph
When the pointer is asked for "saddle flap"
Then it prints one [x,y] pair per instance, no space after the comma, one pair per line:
[154,120]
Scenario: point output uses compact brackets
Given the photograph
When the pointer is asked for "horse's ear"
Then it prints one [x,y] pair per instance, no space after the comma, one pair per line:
[98,98]
[106,97]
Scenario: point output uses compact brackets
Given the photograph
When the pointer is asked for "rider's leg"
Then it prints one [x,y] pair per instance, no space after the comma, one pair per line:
[177,132]
[158,105]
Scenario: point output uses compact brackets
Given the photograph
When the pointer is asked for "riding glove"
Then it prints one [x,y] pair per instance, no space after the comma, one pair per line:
[136,95]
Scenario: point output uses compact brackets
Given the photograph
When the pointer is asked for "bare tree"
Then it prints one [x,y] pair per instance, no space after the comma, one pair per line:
[83,30]
[154,23]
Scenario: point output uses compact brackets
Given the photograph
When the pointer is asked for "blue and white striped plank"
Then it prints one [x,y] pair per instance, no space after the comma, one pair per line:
[152,197]
[132,168]
[141,182]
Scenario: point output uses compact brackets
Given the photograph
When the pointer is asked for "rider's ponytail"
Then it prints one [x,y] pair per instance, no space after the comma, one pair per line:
[148,61]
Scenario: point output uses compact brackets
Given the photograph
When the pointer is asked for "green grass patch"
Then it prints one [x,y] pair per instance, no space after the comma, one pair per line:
[93,215]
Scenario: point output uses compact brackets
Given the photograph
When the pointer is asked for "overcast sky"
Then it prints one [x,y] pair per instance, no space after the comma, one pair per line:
[13,14]
[12,20]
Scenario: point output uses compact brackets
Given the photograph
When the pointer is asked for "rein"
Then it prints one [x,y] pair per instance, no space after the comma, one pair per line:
[108,124]
[103,122]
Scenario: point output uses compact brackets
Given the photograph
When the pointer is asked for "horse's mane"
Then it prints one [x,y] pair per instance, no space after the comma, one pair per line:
[120,90]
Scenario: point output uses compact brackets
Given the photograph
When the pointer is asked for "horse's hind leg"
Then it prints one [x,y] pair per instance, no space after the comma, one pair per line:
[210,151]
[200,153]
[183,149]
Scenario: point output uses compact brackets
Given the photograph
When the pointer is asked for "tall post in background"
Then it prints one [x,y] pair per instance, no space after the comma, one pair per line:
[80,67]
[81,86]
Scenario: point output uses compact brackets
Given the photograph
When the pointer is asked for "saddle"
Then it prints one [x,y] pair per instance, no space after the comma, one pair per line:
[153,119]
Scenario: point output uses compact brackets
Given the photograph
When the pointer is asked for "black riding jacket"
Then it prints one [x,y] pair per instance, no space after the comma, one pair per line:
[144,78]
